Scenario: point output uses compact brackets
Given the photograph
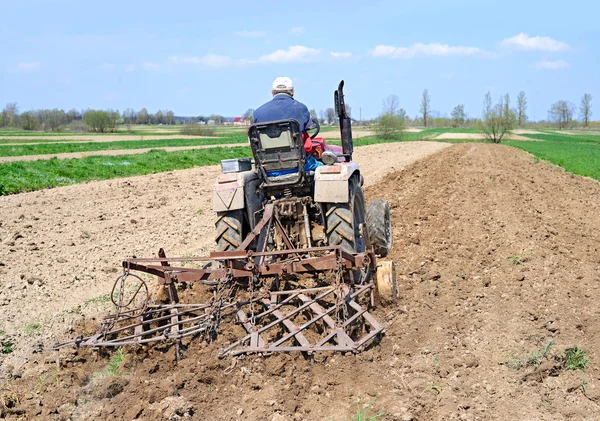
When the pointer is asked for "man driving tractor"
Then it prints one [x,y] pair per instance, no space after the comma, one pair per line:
[283,106]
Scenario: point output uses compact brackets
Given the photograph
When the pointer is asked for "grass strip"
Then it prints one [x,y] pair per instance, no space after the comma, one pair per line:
[576,158]
[17,177]
[559,137]
[54,148]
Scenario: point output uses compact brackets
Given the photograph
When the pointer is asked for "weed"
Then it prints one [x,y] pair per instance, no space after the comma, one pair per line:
[436,388]
[536,357]
[100,300]
[576,358]
[519,259]
[85,234]
[73,310]
[362,412]
[210,388]
[115,362]
[435,360]
[513,362]
[35,327]
[6,344]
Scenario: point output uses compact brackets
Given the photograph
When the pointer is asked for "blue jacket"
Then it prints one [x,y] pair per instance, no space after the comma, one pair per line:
[283,107]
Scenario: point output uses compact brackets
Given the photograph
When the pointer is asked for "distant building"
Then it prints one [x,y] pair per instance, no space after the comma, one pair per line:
[210,122]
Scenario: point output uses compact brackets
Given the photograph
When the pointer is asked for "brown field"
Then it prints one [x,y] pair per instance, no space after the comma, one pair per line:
[497,256]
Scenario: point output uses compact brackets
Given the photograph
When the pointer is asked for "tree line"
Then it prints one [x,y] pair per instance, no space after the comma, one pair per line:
[79,121]
[496,119]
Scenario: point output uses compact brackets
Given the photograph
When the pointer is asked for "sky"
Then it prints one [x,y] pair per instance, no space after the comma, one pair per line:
[199,58]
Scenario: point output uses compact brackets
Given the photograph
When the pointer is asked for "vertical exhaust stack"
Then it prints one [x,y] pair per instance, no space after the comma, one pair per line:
[345,122]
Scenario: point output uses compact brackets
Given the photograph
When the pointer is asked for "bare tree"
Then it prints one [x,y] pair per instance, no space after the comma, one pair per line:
[170,117]
[425,106]
[321,116]
[497,119]
[585,109]
[458,116]
[561,113]
[391,104]
[11,112]
[521,109]
[143,117]
[330,115]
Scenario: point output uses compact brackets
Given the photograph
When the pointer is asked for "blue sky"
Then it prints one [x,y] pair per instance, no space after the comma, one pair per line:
[197,57]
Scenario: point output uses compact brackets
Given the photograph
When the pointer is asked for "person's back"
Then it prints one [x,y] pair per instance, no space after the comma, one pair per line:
[283,106]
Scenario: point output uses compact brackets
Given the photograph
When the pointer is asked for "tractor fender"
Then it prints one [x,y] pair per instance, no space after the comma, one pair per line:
[232,190]
[331,182]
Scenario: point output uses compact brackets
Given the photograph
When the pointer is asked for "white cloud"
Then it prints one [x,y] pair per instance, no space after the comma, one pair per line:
[130,67]
[426,50]
[552,65]
[210,60]
[29,67]
[148,65]
[447,76]
[294,54]
[524,42]
[340,55]
[250,34]
[297,30]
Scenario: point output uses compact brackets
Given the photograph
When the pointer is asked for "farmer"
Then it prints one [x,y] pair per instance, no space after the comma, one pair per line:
[283,106]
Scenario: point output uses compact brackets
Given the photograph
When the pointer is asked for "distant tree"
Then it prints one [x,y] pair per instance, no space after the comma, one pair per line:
[330,115]
[101,121]
[458,116]
[402,113]
[218,119]
[322,116]
[348,110]
[561,113]
[497,119]
[391,104]
[585,109]
[11,111]
[249,114]
[54,119]
[159,117]
[29,121]
[73,115]
[521,109]
[129,118]
[143,117]
[390,126]
[169,117]
[425,106]
[314,116]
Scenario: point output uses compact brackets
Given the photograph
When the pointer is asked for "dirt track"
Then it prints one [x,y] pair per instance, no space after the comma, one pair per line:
[466,308]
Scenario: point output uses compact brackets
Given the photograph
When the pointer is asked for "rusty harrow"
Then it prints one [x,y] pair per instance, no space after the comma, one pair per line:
[307,300]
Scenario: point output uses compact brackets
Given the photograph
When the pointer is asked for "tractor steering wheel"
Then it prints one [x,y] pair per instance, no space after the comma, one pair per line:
[316,126]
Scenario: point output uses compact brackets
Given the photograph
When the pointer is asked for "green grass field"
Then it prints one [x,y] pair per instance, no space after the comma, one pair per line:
[577,158]
[54,148]
[577,153]
[20,177]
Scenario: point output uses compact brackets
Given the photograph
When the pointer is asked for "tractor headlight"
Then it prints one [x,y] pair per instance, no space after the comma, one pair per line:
[329,158]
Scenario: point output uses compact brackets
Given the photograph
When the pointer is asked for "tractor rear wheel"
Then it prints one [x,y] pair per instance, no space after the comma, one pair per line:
[345,220]
[229,230]
[379,223]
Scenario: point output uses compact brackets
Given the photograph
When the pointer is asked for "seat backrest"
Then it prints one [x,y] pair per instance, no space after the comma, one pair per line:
[278,152]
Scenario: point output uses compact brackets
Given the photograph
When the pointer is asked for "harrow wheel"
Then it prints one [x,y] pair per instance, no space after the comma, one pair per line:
[379,223]
[229,230]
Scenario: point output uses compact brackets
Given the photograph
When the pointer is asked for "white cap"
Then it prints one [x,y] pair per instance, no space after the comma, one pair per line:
[283,84]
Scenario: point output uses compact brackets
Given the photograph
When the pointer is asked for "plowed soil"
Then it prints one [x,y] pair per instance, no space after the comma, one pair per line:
[498,263]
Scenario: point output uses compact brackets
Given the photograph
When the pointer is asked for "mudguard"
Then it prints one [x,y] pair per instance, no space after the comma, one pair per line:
[232,190]
[331,182]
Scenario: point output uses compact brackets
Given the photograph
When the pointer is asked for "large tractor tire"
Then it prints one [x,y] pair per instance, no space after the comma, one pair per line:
[229,230]
[379,223]
[344,221]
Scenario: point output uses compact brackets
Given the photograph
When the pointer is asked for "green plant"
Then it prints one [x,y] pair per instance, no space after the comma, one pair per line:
[102,299]
[115,362]
[35,327]
[436,388]
[576,358]
[519,259]
[513,362]
[536,357]
[6,344]
[362,412]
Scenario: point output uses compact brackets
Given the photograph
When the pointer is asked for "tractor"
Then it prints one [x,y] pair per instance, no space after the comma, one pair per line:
[296,261]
